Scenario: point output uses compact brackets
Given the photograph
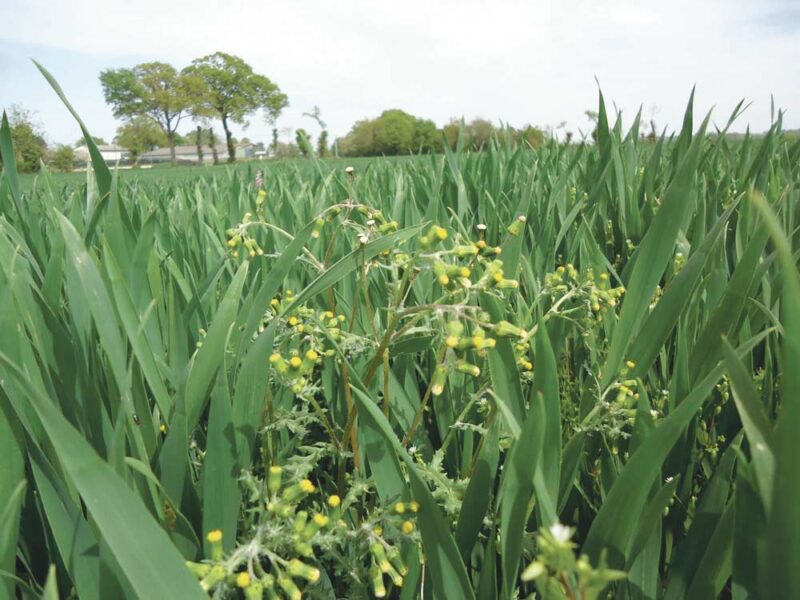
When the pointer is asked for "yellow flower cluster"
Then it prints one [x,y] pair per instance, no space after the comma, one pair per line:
[303,339]
[239,237]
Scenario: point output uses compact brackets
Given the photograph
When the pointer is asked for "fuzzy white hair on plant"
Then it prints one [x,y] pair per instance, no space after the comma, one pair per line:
[561,533]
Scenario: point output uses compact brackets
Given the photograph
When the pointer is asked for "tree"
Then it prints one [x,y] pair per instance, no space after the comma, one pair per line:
[480,132]
[63,157]
[531,136]
[29,143]
[274,144]
[427,138]
[361,141]
[199,143]
[322,140]
[322,144]
[156,90]
[394,132]
[82,142]
[140,135]
[452,131]
[234,91]
[284,150]
[303,143]
[212,144]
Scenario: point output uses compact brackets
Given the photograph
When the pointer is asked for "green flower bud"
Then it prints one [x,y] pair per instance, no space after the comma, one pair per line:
[289,586]
[297,568]
[516,227]
[463,366]
[215,576]
[464,251]
[274,479]
[376,577]
[255,591]
[396,577]
[394,557]
[507,284]
[199,570]
[317,522]
[439,380]
[379,553]
[533,571]
[269,588]
[506,329]
[318,226]
[215,539]
[298,490]
[387,227]
[300,520]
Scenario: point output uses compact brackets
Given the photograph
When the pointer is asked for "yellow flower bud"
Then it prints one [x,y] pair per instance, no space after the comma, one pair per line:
[243,579]
[214,536]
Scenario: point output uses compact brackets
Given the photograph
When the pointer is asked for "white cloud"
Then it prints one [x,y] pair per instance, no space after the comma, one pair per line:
[520,61]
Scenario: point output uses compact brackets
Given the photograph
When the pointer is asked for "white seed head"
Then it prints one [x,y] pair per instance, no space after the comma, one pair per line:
[560,532]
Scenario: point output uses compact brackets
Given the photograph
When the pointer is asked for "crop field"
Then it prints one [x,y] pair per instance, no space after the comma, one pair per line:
[562,373]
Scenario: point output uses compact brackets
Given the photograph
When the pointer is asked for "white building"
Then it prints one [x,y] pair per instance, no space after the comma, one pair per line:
[111,153]
[188,154]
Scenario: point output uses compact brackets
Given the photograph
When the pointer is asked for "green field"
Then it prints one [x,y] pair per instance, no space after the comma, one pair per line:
[167,174]
[561,373]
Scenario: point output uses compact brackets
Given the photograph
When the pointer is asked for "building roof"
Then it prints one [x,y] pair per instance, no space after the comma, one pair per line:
[104,148]
[184,151]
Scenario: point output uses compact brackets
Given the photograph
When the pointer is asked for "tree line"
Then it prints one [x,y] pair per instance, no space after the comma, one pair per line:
[154,99]
[218,86]
[396,132]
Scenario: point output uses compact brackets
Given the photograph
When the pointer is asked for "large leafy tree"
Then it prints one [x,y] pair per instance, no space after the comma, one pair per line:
[81,141]
[63,158]
[156,90]
[140,135]
[234,91]
[29,143]
[394,132]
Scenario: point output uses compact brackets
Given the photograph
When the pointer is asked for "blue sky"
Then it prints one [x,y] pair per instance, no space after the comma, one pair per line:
[520,62]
